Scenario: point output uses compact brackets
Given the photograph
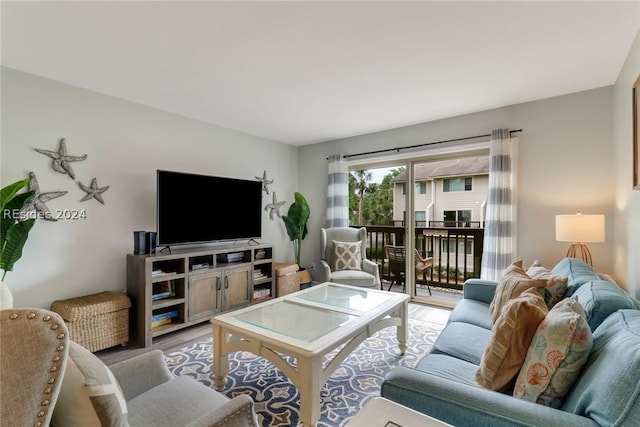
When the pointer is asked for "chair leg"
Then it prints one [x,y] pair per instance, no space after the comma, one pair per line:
[424,277]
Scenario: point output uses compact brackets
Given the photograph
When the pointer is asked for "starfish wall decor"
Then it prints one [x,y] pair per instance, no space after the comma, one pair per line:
[93,191]
[265,182]
[274,207]
[37,204]
[61,159]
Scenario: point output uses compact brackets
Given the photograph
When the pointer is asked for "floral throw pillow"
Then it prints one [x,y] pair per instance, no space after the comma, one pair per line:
[346,255]
[558,351]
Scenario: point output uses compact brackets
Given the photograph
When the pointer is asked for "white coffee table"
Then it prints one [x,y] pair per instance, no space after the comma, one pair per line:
[307,325]
[381,412]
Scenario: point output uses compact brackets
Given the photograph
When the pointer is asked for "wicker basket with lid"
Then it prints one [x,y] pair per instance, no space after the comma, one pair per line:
[96,321]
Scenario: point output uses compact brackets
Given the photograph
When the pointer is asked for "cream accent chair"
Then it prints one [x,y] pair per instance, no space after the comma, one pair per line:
[48,378]
[367,277]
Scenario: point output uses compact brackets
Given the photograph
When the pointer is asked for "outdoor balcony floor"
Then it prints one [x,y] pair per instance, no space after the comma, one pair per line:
[439,296]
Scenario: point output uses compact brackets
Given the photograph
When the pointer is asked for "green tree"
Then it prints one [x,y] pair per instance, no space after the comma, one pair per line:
[353,200]
[363,177]
[377,199]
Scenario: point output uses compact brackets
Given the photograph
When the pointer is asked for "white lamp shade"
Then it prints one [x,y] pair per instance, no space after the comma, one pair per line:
[580,228]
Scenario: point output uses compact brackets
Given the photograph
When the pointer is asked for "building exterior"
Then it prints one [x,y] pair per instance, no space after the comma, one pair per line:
[447,192]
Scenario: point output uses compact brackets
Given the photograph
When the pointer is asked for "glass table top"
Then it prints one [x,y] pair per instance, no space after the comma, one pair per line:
[347,298]
[295,320]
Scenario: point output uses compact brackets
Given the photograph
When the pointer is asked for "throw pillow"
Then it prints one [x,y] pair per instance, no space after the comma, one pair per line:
[99,387]
[558,351]
[510,338]
[513,282]
[556,286]
[346,255]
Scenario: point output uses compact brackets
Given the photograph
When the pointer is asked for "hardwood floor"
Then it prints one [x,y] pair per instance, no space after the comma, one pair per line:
[176,340]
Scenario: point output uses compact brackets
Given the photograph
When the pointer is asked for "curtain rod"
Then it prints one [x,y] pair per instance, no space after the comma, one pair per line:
[408,147]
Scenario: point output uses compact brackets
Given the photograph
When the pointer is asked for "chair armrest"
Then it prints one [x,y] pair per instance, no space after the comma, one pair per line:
[462,404]
[141,373]
[479,290]
[325,271]
[371,268]
[237,412]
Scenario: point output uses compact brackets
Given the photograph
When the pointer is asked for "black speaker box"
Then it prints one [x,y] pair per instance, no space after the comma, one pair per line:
[139,242]
[151,242]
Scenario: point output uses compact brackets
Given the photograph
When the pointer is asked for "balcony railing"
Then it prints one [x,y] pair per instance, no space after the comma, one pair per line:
[456,251]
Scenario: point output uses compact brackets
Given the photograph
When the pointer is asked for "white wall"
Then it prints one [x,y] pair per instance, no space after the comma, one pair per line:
[125,144]
[566,163]
[626,251]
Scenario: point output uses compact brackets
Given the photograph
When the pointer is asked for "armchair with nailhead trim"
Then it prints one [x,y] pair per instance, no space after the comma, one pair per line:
[48,379]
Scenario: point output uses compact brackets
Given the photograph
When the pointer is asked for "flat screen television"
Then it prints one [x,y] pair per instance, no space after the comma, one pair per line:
[193,208]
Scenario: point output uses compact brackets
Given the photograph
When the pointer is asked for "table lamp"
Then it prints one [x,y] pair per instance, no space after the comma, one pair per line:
[580,229]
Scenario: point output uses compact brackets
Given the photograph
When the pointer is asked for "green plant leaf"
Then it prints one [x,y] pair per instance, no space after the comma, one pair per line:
[16,237]
[296,222]
[7,193]
[8,214]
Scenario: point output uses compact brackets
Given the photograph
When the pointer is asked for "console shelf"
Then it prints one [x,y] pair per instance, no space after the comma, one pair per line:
[186,287]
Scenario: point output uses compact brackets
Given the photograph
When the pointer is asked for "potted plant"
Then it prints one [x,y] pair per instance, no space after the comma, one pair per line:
[296,223]
[14,230]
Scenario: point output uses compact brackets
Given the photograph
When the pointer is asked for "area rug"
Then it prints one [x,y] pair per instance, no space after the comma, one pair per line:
[277,401]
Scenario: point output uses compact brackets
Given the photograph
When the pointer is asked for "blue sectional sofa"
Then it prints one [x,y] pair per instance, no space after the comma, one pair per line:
[605,394]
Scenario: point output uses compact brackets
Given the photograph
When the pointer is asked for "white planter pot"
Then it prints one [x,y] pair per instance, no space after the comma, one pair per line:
[6,298]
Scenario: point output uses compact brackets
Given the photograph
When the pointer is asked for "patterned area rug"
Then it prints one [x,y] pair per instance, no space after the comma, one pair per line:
[277,401]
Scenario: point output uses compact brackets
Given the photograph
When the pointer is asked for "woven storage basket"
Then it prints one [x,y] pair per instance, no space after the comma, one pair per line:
[287,280]
[96,321]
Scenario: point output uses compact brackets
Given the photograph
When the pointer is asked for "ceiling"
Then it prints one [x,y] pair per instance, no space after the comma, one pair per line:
[303,72]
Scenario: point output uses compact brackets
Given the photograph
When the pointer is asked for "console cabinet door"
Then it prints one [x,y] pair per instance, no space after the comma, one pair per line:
[237,287]
[205,292]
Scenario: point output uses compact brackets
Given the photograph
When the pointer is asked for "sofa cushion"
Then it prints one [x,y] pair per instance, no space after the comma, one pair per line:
[510,338]
[608,390]
[90,383]
[599,299]
[448,367]
[473,312]
[577,273]
[556,286]
[557,353]
[346,255]
[513,282]
[463,341]
[189,399]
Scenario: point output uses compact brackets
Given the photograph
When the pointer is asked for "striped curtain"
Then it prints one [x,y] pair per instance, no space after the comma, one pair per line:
[337,193]
[499,232]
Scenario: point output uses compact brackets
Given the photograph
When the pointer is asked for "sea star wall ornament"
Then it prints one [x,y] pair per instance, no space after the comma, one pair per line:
[37,204]
[265,182]
[93,191]
[61,159]
[274,207]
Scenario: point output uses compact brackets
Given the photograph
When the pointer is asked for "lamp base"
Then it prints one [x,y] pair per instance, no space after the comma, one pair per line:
[585,255]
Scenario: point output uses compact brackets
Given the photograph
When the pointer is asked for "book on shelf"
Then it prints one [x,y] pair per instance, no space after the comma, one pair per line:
[160,273]
[166,315]
[162,290]
[231,257]
[261,294]
[260,254]
[258,275]
[161,322]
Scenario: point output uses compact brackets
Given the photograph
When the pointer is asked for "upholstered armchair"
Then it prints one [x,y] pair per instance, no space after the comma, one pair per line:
[344,259]
[46,378]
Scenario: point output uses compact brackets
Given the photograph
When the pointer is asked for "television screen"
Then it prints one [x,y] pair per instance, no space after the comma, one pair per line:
[201,208]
